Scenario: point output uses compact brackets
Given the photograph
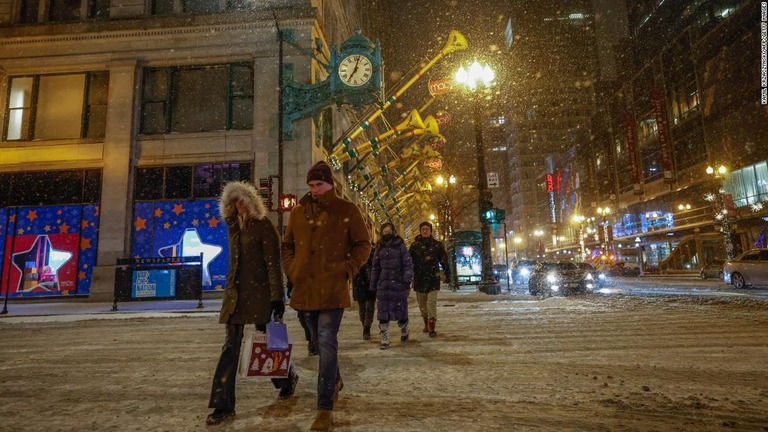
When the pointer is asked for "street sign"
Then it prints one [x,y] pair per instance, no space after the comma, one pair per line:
[493,180]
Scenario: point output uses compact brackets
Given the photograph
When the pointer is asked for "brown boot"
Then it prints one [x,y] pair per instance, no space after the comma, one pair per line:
[323,420]
[336,389]
[432,332]
[426,326]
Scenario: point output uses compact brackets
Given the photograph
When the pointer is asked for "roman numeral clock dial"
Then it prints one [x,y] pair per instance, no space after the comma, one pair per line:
[355,70]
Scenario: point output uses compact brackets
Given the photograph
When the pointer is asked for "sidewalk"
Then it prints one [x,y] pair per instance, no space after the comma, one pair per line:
[42,308]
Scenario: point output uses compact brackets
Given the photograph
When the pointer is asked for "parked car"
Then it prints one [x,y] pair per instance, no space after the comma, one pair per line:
[713,270]
[622,269]
[600,277]
[750,268]
[553,278]
[522,271]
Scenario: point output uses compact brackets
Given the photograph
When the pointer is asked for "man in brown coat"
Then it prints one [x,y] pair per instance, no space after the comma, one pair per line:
[325,245]
[254,290]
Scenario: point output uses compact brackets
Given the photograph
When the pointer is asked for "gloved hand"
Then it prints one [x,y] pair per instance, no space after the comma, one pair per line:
[278,308]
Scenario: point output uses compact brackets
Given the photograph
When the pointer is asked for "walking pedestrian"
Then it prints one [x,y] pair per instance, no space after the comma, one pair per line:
[428,257]
[253,291]
[365,297]
[391,275]
[326,242]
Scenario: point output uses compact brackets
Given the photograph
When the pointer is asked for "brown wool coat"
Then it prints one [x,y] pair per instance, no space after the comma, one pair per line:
[254,278]
[325,245]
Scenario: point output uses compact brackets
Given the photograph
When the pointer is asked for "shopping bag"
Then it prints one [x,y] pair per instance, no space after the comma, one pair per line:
[256,361]
[277,335]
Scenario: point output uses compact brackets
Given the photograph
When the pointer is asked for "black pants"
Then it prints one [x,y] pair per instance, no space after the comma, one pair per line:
[367,310]
[223,389]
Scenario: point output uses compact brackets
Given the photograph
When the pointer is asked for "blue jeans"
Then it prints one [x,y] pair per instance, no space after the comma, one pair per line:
[324,324]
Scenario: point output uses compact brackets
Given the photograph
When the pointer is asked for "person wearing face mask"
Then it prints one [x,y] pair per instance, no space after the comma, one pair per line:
[429,257]
[325,244]
[391,275]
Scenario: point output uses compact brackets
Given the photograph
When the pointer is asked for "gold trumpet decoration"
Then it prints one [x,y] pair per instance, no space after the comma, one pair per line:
[456,42]
[413,121]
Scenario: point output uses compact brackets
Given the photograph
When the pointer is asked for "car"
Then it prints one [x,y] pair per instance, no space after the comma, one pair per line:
[712,270]
[560,277]
[600,277]
[750,268]
[500,271]
[522,271]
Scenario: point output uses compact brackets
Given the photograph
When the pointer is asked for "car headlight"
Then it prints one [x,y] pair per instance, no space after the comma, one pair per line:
[589,277]
[551,278]
[555,288]
[525,272]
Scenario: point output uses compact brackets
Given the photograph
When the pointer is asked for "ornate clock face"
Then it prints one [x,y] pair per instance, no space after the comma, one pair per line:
[355,70]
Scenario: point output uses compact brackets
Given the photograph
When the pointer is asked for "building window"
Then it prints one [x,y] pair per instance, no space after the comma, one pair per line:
[64,10]
[98,8]
[197,99]
[50,188]
[28,11]
[162,7]
[44,107]
[187,181]
[203,6]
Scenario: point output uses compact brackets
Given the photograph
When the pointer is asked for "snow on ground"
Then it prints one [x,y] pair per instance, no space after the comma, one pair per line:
[499,363]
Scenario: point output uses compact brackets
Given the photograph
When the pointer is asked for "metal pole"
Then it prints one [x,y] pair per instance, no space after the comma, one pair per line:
[506,254]
[487,283]
[280,108]
[10,261]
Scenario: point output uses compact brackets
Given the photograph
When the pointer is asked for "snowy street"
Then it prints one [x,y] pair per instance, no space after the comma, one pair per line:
[506,362]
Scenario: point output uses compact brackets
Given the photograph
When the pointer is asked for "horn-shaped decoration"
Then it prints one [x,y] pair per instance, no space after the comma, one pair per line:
[413,121]
[456,41]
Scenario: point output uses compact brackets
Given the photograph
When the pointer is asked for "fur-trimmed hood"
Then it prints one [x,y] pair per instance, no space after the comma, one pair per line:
[236,191]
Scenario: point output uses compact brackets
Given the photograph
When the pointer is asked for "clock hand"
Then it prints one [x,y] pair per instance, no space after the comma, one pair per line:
[355,68]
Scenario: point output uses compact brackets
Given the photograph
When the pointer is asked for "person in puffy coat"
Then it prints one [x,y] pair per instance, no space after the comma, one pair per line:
[429,257]
[253,291]
[391,275]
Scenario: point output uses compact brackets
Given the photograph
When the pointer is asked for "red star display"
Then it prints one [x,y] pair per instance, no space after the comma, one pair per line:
[64,228]
[85,243]
[140,224]
[32,215]
[213,222]
[158,212]
[177,208]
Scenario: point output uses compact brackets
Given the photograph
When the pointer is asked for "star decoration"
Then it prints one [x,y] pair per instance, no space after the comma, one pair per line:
[158,212]
[166,225]
[85,243]
[81,275]
[21,231]
[709,197]
[213,222]
[41,247]
[207,206]
[178,209]
[84,224]
[140,224]
[64,228]
[32,215]
[98,209]
[756,207]
[195,222]
[12,218]
[59,212]
[190,244]
[47,228]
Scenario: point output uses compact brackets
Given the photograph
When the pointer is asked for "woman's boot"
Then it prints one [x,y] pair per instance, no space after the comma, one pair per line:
[384,335]
[432,332]
[426,325]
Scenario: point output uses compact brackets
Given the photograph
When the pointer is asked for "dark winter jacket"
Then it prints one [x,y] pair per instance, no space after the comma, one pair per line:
[427,253]
[325,244]
[361,285]
[391,275]
[254,279]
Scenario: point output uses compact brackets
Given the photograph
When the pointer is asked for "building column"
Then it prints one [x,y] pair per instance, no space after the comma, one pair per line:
[115,207]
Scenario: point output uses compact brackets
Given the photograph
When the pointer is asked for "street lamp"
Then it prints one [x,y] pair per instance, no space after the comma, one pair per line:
[722,215]
[480,77]
[447,205]
[517,241]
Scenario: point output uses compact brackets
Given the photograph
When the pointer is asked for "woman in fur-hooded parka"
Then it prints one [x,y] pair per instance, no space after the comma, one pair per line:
[255,278]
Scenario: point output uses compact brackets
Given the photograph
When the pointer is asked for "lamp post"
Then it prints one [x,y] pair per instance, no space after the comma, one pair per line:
[517,241]
[722,215]
[477,78]
[539,250]
[579,221]
[604,212]
[447,204]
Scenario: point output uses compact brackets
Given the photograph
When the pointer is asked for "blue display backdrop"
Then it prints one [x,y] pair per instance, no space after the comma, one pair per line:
[183,228]
[48,250]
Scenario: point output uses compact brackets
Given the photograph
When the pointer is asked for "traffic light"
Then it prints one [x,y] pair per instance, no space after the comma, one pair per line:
[287,203]
[265,190]
[490,215]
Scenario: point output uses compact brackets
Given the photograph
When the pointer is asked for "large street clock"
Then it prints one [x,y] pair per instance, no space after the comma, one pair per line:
[356,72]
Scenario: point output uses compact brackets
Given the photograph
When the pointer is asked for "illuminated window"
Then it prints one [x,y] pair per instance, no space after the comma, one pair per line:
[44,107]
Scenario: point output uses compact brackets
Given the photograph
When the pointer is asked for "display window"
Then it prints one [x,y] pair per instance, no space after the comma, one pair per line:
[183,228]
[48,250]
